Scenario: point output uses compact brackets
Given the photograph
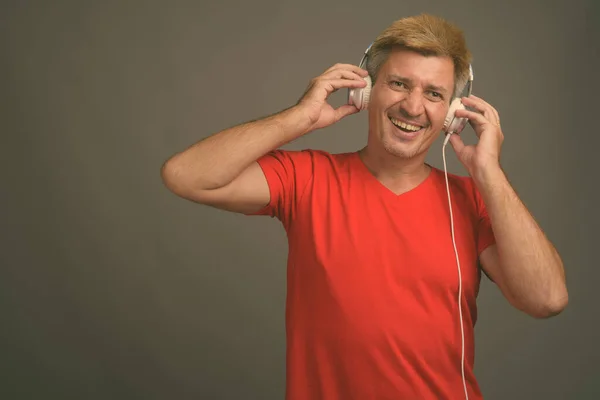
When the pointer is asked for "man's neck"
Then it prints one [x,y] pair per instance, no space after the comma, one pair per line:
[397,174]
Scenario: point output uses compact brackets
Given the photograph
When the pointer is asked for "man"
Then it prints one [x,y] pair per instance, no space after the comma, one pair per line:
[373,308]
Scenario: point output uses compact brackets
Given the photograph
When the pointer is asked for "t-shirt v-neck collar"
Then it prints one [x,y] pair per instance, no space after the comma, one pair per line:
[372,181]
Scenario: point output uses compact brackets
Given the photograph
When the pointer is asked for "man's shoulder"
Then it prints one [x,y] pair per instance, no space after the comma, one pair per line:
[317,153]
[463,189]
[461,186]
[454,179]
[313,156]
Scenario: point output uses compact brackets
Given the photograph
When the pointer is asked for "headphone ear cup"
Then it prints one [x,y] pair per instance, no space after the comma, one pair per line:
[359,97]
[366,93]
[453,124]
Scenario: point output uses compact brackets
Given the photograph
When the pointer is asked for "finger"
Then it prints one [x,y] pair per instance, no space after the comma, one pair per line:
[457,143]
[347,67]
[341,73]
[497,121]
[480,101]
[345,110]
[483,107]
[476,119]
[335,84]
[478,105]
[490,107]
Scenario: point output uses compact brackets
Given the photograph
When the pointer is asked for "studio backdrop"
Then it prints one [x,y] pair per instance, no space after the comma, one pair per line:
[111,287]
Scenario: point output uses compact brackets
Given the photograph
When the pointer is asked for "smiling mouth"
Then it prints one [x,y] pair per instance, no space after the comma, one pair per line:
[403,126]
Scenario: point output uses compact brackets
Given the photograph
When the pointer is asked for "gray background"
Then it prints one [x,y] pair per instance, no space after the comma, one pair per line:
[113,288]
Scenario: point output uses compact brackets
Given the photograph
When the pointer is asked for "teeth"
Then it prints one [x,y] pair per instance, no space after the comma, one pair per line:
[402,125]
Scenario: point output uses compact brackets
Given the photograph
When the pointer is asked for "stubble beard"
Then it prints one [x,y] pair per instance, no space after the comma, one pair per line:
[397,148]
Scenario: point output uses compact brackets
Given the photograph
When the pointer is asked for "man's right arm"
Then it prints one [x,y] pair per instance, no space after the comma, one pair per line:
[222,170]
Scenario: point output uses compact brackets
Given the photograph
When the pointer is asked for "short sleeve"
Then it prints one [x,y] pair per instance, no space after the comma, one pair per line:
[287,173]
[485,233]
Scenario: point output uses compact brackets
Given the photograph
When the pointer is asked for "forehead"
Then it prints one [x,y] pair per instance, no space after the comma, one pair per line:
[433,70]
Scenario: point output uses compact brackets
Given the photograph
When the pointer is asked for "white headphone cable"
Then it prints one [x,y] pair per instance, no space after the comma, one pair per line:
[462,331]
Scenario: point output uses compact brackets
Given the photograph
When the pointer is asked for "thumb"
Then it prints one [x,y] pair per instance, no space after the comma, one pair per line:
[457,143]
[345,110]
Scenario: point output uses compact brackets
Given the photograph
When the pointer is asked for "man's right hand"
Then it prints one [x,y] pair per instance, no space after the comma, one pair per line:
[314,101]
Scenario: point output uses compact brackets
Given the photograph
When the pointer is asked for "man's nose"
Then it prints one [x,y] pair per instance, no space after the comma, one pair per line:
[412,106]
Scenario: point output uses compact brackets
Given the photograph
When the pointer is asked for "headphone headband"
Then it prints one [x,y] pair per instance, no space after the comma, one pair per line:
[470,81]
[364,58]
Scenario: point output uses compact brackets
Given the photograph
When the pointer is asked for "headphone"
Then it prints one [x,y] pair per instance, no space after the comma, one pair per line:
[359,97]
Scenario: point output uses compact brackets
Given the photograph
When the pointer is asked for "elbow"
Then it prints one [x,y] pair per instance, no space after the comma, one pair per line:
[178,179]
[173,178]
[168,175]
[552,306]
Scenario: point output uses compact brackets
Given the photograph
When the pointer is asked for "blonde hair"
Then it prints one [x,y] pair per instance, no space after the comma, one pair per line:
[427,35]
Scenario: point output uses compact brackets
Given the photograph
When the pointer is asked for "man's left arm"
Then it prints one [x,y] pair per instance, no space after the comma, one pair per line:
[523,263]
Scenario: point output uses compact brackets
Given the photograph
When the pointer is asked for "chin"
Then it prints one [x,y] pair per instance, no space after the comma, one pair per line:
[403,149]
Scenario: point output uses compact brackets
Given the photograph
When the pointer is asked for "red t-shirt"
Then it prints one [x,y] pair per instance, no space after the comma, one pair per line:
[372,288]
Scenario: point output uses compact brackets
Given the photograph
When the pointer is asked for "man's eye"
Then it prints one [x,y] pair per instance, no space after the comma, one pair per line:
[436,96]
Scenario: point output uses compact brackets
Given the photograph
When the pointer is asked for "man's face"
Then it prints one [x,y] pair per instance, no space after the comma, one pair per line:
[409,102]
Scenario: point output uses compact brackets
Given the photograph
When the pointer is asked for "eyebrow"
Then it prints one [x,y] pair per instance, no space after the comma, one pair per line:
[435,88]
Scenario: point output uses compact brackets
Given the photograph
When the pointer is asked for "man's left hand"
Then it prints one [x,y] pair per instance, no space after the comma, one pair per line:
[486,124]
